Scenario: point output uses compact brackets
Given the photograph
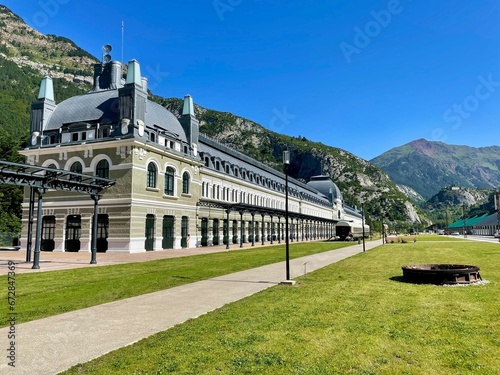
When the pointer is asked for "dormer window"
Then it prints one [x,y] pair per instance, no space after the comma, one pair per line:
[78,136]
[104,132]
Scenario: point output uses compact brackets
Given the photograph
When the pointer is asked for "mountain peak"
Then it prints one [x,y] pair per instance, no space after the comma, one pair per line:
[424,146]
[428,166]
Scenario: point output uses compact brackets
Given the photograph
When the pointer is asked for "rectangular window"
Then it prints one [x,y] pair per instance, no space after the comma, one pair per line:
[215,232]
[168,232]
[73,227]
[48,233]
[48,227]
[150,232]
[184,231]
[169,181]
[102,226]
[74,137]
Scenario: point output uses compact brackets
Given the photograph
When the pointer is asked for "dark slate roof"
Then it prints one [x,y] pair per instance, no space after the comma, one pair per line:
[325,185]
[224,153]
[352,211]
[102,107]
[160,116]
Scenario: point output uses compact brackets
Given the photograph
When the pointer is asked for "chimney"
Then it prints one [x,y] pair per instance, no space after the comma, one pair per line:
[97,74]
[144,82]
[116,74]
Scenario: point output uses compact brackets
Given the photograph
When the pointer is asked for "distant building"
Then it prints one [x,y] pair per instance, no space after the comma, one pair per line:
[480,225]
[175,188]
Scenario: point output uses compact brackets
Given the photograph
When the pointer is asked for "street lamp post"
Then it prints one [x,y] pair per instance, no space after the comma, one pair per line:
[465,221]
[363,224]
[497,208]
[286,163]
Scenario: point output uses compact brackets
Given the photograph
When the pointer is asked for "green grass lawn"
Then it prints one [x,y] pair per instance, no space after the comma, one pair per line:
[43,294]
[353,317]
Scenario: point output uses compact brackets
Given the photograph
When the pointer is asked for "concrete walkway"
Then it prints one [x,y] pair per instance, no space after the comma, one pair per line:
[54,344]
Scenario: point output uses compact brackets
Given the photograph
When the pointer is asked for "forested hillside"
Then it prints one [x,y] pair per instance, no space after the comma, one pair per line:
[26,56]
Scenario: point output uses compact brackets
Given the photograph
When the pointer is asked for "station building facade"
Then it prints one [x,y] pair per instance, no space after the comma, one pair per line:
[175,187]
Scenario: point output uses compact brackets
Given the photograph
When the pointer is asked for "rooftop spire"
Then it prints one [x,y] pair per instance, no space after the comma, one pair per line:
[134,73]
[46,89]
[188,108]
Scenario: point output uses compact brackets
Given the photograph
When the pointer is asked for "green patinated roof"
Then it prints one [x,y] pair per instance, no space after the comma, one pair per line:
[470,221]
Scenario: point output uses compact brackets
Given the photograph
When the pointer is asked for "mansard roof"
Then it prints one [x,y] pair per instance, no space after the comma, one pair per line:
[207,146]
[103,107]
[325,185]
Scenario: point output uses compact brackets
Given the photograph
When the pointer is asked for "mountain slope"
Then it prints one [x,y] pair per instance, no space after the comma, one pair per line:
[427,166]
[450,204]
[26,55]
[359,180]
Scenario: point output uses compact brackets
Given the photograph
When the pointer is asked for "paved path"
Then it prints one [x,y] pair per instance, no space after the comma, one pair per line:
[52,345]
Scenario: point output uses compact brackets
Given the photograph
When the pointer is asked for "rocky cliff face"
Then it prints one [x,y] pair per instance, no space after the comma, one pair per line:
[358,179]
[458,196]
[50,55]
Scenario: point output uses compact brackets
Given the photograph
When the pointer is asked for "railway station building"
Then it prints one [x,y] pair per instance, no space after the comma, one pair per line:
[175,187]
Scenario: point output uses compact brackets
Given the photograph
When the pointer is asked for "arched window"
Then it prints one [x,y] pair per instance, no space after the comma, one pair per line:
[185,183]
[102,169]
[76,167]
[151,180]
[169,181]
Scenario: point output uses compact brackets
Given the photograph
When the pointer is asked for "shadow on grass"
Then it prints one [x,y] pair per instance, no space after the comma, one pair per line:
[400,279]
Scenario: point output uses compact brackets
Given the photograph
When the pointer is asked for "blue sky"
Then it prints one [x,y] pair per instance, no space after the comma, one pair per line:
[363,76]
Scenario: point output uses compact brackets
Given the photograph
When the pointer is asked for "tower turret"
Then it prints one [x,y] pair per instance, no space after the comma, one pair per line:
[41,110]
[133,98]
[190,123]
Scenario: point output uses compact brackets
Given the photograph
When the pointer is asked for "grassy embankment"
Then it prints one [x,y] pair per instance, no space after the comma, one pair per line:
[43,294]
[355,316]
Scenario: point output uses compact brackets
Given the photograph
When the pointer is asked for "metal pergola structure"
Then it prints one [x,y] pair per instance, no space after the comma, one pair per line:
[242,208]
[42,179]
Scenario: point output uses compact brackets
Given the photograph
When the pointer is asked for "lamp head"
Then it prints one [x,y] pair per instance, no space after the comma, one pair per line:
[286,157]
